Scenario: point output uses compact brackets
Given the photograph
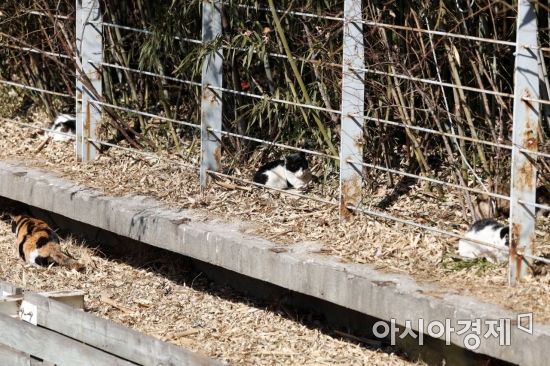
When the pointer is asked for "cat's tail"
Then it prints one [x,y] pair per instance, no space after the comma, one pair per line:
[64,260]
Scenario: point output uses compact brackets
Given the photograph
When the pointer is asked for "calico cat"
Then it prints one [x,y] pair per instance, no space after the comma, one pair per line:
[39,244]
[63,123]
[489,231]
[292,172]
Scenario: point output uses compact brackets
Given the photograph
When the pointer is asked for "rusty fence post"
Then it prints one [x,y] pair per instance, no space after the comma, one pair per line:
[211,101]
[89,48]
[526,120]
[353,105]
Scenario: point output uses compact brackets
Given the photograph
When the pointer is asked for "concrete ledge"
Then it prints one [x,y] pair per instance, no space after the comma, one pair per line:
[354,286]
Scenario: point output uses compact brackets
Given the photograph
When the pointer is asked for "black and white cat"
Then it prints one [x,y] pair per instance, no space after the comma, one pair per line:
[489,231]
[64,123]
[292,172]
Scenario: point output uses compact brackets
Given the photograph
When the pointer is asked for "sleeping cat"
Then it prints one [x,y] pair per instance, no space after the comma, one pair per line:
[489,231]
[39,244]
[292,172]
[63,123]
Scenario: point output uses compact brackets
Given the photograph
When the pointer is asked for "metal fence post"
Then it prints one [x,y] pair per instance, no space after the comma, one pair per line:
[526,121]
[89,47]
[353,103]
[211,101]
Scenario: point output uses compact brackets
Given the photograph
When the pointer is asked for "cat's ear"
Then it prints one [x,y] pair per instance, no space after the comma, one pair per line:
[295,157]
[505,231]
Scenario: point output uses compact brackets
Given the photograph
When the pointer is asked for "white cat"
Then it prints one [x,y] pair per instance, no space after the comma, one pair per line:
[489,231]
[292,172]
[64,123]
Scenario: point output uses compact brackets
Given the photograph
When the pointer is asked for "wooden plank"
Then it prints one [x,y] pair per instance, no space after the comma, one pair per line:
[9,289]
[10,304]
[13,357]
[111,337]
[73,298]
[51,346]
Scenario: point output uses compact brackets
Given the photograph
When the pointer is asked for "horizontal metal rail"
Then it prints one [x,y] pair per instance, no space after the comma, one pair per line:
[286,192]
[283,56]
[291,12]
[428,179]
[145,114]
[276,100]
[148,73]
[435,132]
[391,26]
[145,153]
[537,205]
[22,86]
[535,153]
[143,31]
[435,82]
[38,51]
[541,101]
[384,121]
[425,227]
[378,72]
[311,152]
[534,257]
[42,14]
[436,33]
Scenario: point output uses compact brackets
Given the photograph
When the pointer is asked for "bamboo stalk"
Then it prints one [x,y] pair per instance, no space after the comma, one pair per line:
[464,104]
[297,75]
[397,96]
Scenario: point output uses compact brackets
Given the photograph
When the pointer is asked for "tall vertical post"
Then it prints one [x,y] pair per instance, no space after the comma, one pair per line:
[211,101]
[89,47]
[353,105]
[524,136]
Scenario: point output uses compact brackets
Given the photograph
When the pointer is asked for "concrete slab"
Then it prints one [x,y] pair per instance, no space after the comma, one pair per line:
[354,286]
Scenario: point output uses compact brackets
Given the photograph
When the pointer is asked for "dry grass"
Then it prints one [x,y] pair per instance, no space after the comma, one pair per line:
[158,295]
[286,220]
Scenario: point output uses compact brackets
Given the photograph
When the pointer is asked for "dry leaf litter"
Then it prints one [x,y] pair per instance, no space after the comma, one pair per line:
[157,295]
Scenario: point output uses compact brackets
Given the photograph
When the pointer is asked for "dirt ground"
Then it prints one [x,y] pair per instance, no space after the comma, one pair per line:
[153,293]
[286,220]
